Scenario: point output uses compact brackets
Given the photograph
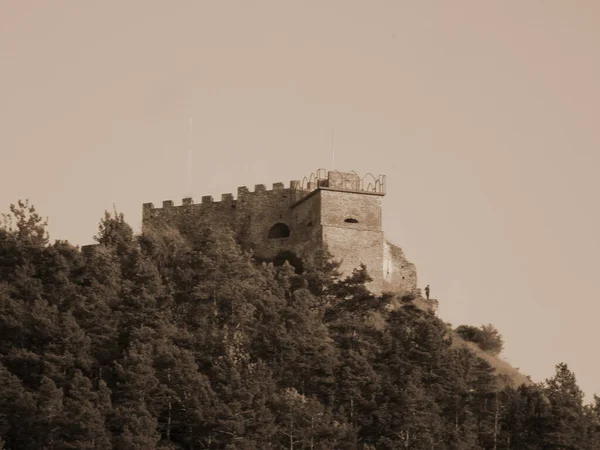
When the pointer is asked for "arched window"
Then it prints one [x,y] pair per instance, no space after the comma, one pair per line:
[351,220]
[278,231]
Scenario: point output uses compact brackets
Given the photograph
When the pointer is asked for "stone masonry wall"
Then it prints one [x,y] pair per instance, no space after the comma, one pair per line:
[250,217]
[257,212]
[356,242]
[348,223]
[306,231]
[221,214]
[260,210]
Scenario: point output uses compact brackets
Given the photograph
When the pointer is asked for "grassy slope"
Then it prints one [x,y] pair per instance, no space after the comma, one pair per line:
[502,367]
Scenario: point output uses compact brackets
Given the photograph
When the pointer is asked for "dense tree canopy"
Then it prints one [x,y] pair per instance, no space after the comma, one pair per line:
[177,340]
[487,337]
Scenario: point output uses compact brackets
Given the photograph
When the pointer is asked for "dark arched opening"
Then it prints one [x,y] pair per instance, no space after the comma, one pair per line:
[351,220]
[278,231]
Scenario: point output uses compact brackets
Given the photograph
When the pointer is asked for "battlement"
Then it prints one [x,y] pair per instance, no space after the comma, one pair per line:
[345,181]
[242,192]
[321,179]
[339,181]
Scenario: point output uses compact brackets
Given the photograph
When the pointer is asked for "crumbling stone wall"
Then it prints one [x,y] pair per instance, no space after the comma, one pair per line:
[399,275]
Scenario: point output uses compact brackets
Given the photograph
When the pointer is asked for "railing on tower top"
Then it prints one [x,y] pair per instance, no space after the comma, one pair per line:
[333,179]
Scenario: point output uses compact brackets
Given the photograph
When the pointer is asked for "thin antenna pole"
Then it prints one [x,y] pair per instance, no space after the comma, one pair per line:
[189,160]
[332,149]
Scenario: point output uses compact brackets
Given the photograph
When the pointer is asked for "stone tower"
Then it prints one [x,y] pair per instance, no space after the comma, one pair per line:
[339,211]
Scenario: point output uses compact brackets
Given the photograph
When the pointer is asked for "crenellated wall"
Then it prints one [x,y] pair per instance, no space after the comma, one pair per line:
[335,211]
[251,215]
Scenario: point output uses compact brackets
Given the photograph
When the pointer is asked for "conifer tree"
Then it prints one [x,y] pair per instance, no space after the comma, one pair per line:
[17,411]
[135,422]
[48,417]
[83,424]
[566,424]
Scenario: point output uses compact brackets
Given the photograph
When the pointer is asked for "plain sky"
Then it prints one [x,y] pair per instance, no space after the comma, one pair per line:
[482,115]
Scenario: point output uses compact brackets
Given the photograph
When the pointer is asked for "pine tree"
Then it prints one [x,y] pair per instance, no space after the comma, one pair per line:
[410,418]
[593,423]
[304,423]
[524,421]
[566,423]
[134,423]
[83,422]
[17,409]
[184,400]
[48,417]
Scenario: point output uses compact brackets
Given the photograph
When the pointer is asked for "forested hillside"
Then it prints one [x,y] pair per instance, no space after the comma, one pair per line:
[175,341]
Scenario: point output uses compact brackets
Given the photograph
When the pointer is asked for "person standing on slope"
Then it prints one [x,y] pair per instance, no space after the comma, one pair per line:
[427,291]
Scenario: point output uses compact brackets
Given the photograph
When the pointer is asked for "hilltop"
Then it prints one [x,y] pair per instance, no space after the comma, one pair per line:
[174,340]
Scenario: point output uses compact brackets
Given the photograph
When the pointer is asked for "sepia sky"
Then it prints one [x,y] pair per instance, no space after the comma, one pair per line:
[482,115]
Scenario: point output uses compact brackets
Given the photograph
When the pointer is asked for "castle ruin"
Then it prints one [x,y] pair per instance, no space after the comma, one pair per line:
[334,210]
